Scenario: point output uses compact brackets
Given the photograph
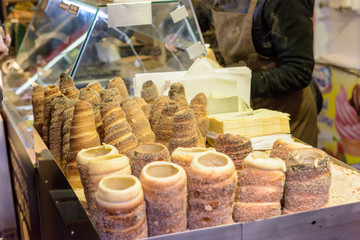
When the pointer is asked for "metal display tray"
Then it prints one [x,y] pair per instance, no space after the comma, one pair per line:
[338,222]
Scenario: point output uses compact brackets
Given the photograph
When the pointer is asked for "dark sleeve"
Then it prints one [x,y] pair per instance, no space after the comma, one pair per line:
[291,31]
[203,13]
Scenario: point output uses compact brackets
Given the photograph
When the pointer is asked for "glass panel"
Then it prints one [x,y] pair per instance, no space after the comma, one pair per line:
[125,51]
[50,47]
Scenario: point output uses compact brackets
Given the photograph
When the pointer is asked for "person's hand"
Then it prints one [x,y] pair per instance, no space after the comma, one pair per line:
[4,43]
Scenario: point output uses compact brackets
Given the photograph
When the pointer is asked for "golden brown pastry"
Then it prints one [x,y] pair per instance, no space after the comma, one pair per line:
[121,208]
[111,94]
[59,104]
[96,86]
[199,106]
[164,185]
[308,180]
[96,163]
[235,146]
[50,92]
[211,183]
[72,93]
[149,92]
[38,104]
[138,121]
[146,153]
[66,128]
[67,87]
[163,129]
[98,122]
[184,131]
[184,156]
[156,110]
[144,106]
[118,83]
[118,131]
[176,89]
[260,190]
[281,148]
[89,95]
[181,100]
[65,82]
[82,135]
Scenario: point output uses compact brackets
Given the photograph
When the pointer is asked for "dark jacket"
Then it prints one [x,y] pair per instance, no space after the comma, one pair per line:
[282,29]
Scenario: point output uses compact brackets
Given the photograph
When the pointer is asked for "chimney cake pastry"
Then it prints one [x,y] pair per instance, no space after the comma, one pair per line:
[211,184]
[121,208]
[165,191]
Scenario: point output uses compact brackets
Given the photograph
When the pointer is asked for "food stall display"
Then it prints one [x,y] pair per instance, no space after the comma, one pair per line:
[107,157]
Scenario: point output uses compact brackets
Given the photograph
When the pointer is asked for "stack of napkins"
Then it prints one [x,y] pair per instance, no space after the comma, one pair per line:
[250,123]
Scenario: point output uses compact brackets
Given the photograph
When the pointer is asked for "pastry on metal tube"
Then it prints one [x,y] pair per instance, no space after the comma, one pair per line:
[146,153]
[83,134]
[211,184]
[96,86]
[260,189]
[165,191]
[176,89]
[89,95]
[118,131]
[308,180]
[281,148]
[38,104]
[185,131]
[65,82]
[235,146]
[138,121]
[181,100]
[199,106]
[184,156]
[144,106]
[72,93]
[121,208]
[66,128]
[49,93]
[59,104]
[149,92]
[111,94]
[118,83]
[155,113]
[67,87]
[96,163]
[98,122]
[163,130]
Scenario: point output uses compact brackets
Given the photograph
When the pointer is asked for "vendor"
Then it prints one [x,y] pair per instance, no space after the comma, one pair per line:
[274,38]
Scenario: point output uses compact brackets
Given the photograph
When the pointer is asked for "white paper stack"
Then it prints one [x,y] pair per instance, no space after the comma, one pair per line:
[252,123]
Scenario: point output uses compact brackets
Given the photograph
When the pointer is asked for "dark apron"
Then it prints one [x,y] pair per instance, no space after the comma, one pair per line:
[234,35]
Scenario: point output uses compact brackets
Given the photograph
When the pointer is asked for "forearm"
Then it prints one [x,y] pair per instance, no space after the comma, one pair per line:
[292,41]
[289,77]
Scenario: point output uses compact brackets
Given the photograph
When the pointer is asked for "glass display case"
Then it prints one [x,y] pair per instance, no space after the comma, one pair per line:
[75,37]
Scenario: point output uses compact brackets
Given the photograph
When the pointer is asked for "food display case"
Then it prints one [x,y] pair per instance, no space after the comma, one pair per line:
[91,41]
[75,37]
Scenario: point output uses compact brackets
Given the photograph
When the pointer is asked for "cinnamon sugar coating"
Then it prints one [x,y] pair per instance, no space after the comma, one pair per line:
[308,180]
[235,146]
[138,121]
[119,83]
[38,104]
[118,131]
[149,92]
[49,93]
